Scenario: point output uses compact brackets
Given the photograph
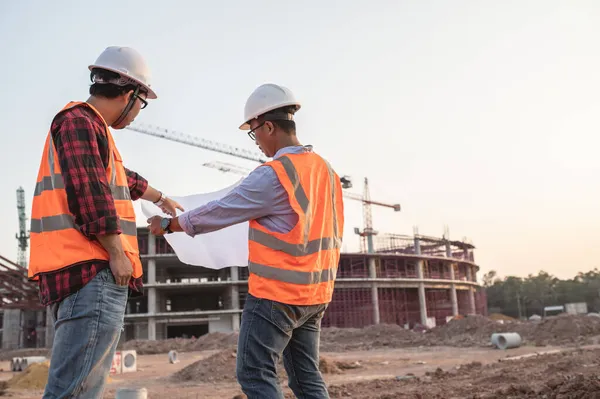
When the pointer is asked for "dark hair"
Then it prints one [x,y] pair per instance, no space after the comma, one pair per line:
[108,90]
[287,126]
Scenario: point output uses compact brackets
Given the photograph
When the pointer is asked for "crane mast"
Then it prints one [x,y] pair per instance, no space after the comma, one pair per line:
[22,236]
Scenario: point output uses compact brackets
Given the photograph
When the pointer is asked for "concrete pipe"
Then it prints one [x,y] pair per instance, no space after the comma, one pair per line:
[508,341]
[132,393]
[173,357]
[493,339]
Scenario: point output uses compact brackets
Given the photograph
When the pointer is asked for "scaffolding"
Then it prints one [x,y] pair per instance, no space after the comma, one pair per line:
[430,246]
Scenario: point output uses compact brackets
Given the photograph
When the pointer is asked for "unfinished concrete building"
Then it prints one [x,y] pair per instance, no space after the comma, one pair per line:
[406,281]
[409,280]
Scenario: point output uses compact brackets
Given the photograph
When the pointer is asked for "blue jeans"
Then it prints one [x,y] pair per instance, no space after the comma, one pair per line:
[87,326]
[270,329]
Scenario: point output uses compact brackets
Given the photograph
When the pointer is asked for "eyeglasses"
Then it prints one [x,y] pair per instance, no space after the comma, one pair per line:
[251,132]
[144,102]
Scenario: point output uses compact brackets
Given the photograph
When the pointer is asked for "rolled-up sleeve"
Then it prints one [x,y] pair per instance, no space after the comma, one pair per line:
[137,184]
[253,198]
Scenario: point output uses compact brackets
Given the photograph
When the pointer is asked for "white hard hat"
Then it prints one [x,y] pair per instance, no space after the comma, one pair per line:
[128,63]
[265,98]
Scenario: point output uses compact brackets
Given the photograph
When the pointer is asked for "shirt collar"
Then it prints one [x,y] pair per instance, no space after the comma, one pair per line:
[293,149]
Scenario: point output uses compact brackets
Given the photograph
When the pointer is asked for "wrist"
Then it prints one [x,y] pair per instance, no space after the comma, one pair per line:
[114,253]
[159,201]
[175,226]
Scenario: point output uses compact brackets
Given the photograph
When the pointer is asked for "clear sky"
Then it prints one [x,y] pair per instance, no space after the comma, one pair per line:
[482,116]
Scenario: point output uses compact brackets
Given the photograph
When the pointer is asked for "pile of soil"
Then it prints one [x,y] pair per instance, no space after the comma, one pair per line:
[220,367]
[563,329]
[376,336]
[473,330]
[534,377]
[330,366]
[34,377]
[211,341]
[556,330]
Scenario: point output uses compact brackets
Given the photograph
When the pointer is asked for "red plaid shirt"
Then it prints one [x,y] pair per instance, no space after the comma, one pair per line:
[82,146]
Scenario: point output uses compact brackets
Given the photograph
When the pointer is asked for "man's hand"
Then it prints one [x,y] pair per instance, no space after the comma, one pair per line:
[154,226]
[120,265]
[121,268]
[169,207]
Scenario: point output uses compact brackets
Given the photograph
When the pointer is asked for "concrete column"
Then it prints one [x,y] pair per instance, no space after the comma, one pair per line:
[374,293]
[49,328]
[472,309]
[40,330]
[151,291]
[235,299]
[11,330]
[422,297]
[453,298]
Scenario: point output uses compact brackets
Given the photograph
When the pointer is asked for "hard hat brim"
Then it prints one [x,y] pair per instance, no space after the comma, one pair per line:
[246,125]
[151,93]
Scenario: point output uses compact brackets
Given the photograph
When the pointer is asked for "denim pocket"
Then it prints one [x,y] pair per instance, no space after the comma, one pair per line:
[284,316]
[65,307]
[108,280]
[113,300]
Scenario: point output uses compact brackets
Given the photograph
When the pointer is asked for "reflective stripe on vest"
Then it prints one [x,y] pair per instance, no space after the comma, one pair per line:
[49,183]
[293,276]
[306,247]
[64,221]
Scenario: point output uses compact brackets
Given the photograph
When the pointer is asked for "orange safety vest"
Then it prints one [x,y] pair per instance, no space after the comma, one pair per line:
[299,267]
[56,242]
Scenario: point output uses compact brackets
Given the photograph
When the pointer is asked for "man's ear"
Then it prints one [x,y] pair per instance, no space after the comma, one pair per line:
[269,125]
[128,95]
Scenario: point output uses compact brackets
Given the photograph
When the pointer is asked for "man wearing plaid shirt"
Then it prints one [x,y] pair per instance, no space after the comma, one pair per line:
[87,298]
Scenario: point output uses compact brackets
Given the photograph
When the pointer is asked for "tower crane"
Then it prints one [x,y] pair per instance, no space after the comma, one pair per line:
[367,233]
[196,141]
[22,236]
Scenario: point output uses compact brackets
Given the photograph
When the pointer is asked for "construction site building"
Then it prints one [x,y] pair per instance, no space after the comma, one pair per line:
[407,281]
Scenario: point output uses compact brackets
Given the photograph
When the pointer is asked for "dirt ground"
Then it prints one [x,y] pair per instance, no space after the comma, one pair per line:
[386,362]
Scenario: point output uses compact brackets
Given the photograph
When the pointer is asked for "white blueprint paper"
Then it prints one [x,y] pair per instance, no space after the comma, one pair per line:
[216,250]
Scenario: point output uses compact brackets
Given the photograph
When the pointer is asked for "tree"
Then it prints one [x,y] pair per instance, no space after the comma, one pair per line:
[488,278]
[516,296]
